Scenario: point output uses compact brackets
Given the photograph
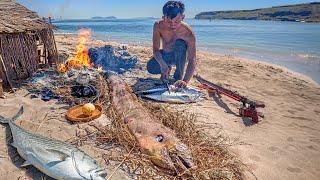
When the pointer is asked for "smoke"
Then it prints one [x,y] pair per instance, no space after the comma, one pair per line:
[63,7]
[60,11]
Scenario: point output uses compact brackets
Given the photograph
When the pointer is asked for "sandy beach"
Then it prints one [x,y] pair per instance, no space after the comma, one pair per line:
[283,145]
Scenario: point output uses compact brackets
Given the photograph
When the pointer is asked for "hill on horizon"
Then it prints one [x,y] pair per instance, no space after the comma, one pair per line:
[108,17]
[308,12]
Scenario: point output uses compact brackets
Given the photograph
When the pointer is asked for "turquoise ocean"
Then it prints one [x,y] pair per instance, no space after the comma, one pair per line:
[293,45]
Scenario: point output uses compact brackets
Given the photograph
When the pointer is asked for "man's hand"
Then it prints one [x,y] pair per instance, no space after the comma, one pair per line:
[165,71]
[180,84]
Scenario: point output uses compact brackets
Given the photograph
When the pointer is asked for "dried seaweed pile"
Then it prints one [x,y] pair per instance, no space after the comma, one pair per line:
[210,153]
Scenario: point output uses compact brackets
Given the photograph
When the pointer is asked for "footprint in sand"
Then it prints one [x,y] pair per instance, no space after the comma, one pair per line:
[291,111]
[294,170]
[255,158]
[290,139]
[298,118]
[299,108]
[315,140]
[312,148]
[273,148]
[291,147]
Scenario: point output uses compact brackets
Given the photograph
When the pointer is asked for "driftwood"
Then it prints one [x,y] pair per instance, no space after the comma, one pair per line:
[156,140]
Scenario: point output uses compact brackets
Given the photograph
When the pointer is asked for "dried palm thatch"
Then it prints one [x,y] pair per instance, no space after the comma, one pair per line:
[22,32]
[15,18]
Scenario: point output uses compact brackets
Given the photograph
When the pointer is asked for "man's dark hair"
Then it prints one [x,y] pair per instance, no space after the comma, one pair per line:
[172,8]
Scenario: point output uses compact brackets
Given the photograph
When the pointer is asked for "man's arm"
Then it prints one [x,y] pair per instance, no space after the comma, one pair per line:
[191,53]
[156,51]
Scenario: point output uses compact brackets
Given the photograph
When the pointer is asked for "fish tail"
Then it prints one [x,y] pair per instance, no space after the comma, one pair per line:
[6,120]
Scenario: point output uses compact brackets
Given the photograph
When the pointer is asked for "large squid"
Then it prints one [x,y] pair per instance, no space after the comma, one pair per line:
[156,140]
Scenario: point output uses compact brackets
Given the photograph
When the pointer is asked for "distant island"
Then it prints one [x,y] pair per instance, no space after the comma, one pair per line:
[309,12]
[108,17]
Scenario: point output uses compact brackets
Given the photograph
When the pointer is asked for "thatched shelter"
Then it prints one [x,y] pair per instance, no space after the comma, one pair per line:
[25,42]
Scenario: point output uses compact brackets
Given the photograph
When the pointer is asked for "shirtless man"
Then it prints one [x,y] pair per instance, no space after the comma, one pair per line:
[178,44]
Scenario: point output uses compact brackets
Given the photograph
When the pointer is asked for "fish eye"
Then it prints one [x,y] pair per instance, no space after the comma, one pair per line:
[159,138]
[103,175]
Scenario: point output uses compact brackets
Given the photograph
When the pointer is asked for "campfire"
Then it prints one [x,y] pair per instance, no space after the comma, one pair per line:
[78,79]
[81,58]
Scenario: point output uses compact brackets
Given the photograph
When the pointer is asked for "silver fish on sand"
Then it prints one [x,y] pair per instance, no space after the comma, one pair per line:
[54,158]
[174,95]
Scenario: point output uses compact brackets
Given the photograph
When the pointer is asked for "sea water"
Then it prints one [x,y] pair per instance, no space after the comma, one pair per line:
[294,45]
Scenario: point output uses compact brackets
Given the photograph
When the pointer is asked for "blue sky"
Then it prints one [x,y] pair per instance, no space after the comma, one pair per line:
[139,8]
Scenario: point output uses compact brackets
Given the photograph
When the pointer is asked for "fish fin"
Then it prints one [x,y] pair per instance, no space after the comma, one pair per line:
[19,113]
[61,155]
[4,120]
[31,157]
[39,157]
[26,163]
[54,154]
[14,145]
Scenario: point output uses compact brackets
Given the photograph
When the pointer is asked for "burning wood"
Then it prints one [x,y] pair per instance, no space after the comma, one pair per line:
[81,58]
[156,140]
[62,68]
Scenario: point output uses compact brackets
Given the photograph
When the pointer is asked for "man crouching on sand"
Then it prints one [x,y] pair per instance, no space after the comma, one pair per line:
[178,44]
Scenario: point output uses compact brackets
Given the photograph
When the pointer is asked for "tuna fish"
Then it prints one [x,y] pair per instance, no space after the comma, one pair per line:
[175,95]
[54,158]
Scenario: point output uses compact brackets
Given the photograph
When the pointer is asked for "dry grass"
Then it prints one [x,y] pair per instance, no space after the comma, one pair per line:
[211,156]
[210,153]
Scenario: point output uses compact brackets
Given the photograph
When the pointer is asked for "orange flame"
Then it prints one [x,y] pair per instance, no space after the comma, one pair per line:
[62,68]
[81,58]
